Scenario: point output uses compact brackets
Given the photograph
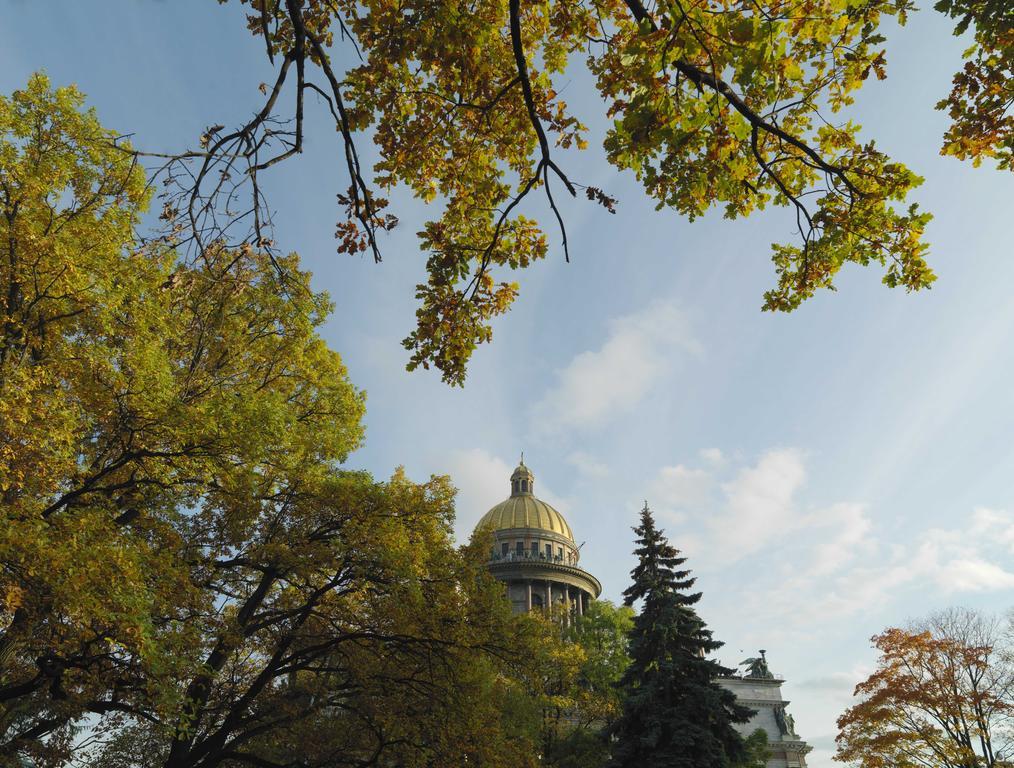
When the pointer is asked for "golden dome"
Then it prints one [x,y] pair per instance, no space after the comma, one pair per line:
[523,510]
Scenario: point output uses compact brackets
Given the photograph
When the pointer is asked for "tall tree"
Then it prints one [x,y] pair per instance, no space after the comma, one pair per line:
[185,572]
[601,635]
[151,412]
[942,695]
[674,712]
[361,637]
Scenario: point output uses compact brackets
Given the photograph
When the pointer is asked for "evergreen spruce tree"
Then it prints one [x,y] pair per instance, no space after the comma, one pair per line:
[675,715]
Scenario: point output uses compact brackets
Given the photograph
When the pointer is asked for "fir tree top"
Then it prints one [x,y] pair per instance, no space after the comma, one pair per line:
[657,566]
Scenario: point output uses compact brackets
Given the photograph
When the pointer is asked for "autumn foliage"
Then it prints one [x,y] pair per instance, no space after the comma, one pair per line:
[980,102]
[728,105]
[189,576]
[942,695]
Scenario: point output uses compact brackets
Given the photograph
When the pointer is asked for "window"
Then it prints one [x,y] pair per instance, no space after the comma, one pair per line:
[549,551]
[520,548]
[559,553]
[536,600]
[505,549]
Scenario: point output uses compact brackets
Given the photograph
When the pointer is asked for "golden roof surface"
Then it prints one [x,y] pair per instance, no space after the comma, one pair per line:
[523,510]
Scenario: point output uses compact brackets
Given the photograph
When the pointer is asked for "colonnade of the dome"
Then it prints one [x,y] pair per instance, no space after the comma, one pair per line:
[536,594]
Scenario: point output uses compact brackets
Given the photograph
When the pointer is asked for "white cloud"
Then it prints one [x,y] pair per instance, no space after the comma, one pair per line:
[996,524]
[837,684]
[813,564]
[712,455]
[852,571]
[600,384]
[809,566]
[680,487]
[973,575]
[960,559]
[760,504]
[849,535]
[587,464]
[482,480]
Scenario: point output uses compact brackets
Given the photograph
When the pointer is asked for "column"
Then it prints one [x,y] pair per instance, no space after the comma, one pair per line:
[549,596]
[580,603]
[529,585]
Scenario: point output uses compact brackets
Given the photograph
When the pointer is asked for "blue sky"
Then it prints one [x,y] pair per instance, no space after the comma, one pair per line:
[828,473]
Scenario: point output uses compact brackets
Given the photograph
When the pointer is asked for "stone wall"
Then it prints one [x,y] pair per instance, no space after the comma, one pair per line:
[764,695]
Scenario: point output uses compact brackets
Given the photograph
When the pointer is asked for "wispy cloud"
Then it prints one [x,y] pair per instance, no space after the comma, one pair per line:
[712,455]
[678,489]
[997,524]
[760,504]
[836,684]
[600,384]
[587,464]
[843,531]
[842,565]
[816,562]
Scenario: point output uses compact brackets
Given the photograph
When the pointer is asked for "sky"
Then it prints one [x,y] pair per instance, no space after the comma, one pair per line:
[828,473]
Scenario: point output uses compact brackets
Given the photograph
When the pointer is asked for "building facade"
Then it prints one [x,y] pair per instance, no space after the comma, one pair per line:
[761,690]
[534,552]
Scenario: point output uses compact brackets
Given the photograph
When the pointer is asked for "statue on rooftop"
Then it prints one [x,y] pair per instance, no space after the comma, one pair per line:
[757,666]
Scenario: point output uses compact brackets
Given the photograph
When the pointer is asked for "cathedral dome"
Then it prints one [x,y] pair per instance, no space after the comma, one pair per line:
[532,551]
[523,510]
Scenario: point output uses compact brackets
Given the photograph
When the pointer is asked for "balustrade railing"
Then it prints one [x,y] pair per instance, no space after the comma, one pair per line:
[513,556]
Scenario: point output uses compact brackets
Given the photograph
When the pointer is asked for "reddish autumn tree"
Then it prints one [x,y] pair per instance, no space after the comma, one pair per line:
[942,695]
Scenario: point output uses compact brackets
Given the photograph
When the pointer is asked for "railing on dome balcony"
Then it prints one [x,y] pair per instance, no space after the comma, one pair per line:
[527,555]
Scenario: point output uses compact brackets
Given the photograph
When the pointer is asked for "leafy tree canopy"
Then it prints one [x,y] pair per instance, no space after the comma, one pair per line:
[347,631]
[942,695]
[150,413]
[756,752]
[187,578]
[715,103]
[980,102]
[601,636]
